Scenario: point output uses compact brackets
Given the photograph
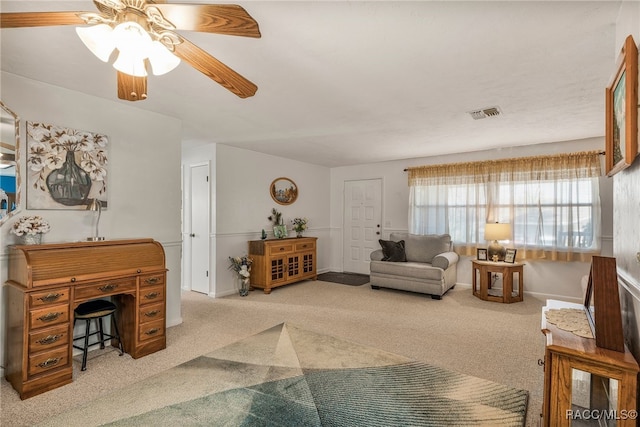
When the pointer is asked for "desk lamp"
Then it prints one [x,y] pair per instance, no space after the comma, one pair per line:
[495,232]
[95,206]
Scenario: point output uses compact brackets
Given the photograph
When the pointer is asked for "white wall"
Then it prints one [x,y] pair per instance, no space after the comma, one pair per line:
[242,203]
[626,190]
[546,279]
[144,174]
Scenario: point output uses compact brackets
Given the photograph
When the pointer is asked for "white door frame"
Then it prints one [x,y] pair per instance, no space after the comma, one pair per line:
[188,239]
[371,229]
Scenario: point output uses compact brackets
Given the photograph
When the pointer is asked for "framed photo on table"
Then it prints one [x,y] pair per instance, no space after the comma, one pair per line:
[621,119]
[481,254]
[510,256]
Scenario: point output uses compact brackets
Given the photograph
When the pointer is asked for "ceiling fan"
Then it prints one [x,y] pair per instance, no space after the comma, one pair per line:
[143,32]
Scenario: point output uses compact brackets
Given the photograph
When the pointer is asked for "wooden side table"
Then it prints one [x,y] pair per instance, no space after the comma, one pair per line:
[483,270]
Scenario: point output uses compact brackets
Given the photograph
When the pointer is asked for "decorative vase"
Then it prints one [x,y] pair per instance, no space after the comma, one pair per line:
[31,239]
[69,185]
[243,286]
[298,233]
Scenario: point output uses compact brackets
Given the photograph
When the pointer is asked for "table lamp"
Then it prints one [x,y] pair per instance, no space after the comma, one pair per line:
[495,232]
[95,206]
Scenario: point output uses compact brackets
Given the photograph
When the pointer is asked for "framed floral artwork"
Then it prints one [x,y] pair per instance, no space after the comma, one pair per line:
[66,168]
[622,111]
[284,191]
[481,254]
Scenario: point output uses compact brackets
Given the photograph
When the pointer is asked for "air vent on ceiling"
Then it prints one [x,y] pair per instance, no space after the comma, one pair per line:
[485,112]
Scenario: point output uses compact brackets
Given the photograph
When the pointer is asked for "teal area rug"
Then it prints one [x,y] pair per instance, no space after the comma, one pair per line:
[287,376]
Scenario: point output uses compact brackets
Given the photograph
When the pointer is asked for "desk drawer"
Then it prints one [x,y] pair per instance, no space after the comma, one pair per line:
[49,360]
[306,246]
[49,316]
[151,294]
[55,296]
[151,330]
[151,312]
[152,279]
[105,288]
[49,338]
[281,249]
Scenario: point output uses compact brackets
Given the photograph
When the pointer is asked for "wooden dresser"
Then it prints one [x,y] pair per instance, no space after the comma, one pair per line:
[279,262]
[47,282]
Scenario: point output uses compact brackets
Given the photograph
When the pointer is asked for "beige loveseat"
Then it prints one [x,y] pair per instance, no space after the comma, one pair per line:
[430,266]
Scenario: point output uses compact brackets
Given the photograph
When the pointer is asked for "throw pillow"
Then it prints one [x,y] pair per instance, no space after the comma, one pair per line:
[393,251]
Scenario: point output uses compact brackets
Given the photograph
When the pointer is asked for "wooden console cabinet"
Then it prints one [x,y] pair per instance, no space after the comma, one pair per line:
[47,282]
[585,384]
[279,262]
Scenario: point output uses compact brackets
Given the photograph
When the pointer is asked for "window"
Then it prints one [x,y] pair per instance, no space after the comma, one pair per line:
[553,215]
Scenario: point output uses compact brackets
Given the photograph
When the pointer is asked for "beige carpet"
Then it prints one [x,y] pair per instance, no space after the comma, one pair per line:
[494,341]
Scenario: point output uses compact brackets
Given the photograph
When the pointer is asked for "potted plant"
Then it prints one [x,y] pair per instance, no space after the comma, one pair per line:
[30,229]
[279,229]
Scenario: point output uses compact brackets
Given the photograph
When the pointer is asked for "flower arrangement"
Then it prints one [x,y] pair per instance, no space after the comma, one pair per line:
[242,267]
[275,217]
[299,224]
[31,225]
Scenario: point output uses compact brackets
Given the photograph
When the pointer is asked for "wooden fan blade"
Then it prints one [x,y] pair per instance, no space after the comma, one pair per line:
[229,19]
[214,69]
[39,19]
[132,88]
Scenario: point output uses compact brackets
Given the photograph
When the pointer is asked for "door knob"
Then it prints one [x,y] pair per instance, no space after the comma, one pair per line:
[192,235]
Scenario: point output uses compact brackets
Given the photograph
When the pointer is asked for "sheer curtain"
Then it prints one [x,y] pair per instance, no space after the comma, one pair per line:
[552,203]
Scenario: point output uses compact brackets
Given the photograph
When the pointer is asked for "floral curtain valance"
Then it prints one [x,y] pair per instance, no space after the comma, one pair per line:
[585,164]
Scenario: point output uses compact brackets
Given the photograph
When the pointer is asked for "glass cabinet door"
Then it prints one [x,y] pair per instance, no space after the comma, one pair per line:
[594,399]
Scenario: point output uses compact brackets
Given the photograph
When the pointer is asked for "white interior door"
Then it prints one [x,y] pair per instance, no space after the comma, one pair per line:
[362,217]
[199,235]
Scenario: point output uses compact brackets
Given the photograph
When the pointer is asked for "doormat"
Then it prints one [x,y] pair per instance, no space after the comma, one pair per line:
[351,279]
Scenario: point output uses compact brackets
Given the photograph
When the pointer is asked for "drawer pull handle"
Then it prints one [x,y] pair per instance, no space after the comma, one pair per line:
[49,362]
[107,288]
[152,313]
[304,246]
[151,280]
[152,331]
[50,339]
[50,317]
[50,297]
[151,295]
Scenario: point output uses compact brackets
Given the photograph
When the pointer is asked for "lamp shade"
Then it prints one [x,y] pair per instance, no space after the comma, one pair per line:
[98,40]
[162,61]
[496,231]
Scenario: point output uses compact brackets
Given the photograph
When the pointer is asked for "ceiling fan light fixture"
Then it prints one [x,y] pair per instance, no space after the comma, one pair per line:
[161,59]
[131,37]
[98,39]
[130,64]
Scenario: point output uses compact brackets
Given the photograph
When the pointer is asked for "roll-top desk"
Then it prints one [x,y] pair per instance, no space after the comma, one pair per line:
[47,282]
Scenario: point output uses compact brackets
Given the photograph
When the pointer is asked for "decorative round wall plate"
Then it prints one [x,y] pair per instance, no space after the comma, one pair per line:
[284,191]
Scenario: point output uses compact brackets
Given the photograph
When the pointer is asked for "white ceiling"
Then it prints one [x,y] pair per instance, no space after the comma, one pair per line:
[343,83]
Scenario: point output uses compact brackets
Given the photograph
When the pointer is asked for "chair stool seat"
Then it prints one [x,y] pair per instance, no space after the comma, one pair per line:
[96,310]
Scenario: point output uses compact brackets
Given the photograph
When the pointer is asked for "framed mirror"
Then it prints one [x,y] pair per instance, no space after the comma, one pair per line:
[9,161]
